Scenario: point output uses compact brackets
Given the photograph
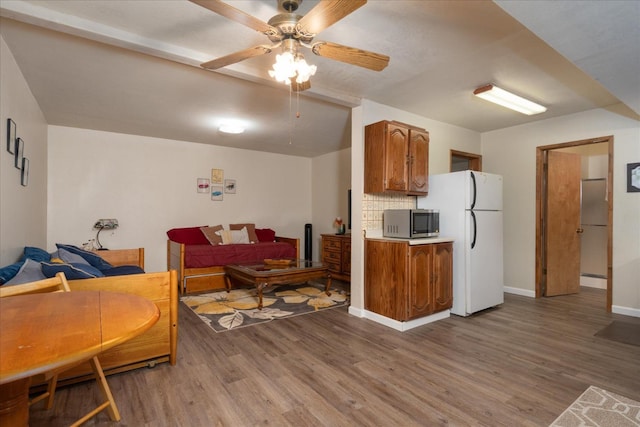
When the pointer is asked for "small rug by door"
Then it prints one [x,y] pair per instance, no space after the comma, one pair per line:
[224,311]
[599,408]
[625,332]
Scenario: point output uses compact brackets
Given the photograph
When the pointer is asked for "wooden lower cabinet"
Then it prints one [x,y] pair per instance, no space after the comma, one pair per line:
[405,282]
[336,253]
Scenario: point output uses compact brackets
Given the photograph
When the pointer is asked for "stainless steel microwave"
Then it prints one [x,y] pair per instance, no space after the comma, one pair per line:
[411,223]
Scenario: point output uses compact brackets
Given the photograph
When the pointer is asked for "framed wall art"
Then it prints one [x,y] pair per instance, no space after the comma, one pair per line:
[230,186]
[24,174]
[216,193]
[19,153]
[217,176]
[203,185]
[633,178]
[11,136]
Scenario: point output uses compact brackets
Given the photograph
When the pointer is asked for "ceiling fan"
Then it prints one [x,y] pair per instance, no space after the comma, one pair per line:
[291,31]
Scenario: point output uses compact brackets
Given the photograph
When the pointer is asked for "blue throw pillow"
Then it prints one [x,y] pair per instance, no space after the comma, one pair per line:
[123,270]
[36,254]
[9,272]
[71,271]
[71,258]
[90,257]
[29,272]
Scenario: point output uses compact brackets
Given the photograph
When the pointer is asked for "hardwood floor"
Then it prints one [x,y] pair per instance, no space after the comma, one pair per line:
[520,364]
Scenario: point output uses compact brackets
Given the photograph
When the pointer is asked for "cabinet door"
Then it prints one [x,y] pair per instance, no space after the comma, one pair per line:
[418,162]
[346,257]
[442,276]
[385,277]
[396,158]
[420,296]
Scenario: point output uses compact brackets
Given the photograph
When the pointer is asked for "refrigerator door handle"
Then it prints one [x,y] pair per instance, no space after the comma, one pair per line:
[475,189]
[475,229]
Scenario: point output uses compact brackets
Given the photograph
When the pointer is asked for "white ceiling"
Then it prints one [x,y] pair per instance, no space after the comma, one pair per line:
[133,66]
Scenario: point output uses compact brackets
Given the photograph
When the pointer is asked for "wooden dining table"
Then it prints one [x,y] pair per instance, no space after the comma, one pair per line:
[43,332]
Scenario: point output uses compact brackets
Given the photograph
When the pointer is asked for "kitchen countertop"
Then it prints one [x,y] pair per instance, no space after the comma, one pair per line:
[377,235]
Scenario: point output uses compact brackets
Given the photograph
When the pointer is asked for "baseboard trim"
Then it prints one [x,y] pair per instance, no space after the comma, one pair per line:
[519,291]
[593,282]
[395,324]
[627,311]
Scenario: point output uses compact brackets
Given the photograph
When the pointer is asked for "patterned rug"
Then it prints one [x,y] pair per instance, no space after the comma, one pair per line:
[599,408]
[224,311]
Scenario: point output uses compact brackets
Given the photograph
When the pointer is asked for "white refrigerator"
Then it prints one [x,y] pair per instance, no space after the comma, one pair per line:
[470,205]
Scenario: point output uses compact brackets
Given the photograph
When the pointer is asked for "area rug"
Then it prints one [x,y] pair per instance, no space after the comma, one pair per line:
[599,408]
[225,311]
[624,332]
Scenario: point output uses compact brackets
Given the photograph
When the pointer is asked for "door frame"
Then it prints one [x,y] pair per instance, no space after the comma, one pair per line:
[475,160]
[541,155]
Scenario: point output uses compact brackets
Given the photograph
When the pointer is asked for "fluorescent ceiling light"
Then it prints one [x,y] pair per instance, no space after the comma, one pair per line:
[230,127]
[507,99]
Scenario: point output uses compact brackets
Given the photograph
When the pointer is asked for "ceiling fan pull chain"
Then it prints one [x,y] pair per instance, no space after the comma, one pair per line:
[290,117]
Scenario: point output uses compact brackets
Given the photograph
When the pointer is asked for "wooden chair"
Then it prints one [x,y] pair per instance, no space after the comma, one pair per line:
[59,284]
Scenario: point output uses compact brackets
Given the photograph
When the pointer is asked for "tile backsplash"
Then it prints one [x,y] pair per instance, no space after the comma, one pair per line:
[374,204]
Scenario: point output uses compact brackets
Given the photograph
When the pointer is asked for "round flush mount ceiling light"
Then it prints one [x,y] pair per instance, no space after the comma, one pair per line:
[231,127]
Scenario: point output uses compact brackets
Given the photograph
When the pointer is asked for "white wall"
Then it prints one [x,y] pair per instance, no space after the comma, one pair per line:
[23,213]
[149,185]
[442,138]
[331,181]
[512,153]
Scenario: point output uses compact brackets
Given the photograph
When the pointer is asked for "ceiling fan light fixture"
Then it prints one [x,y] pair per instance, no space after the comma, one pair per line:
[304,71]
[231,127]
[284,68]
[509,100]
[291,65]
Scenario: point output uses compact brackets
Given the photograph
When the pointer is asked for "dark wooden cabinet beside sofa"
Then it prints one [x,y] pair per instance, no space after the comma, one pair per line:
[336,253]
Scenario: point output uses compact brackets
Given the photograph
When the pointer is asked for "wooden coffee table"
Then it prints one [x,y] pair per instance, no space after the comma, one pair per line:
[263,274]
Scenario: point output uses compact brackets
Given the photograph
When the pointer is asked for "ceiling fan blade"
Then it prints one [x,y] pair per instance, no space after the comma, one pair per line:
[325,14]
[236,57]
[350,55]
[230,12]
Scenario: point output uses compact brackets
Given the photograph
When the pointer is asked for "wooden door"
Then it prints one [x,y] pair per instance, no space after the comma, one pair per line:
[396,158]
[562,234]
[418,162]
[442,276]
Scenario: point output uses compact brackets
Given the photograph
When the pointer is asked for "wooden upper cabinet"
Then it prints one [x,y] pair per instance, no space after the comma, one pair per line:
[396,158]
[418,162]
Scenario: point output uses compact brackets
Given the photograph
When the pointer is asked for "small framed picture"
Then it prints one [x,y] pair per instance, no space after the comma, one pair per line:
[11,136]
[216,176]
[203,185]
[230,186]
[633,178]
[216,193]
[24,175]
[19,153]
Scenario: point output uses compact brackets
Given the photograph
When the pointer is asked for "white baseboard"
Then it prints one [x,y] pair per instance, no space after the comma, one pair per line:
[627,311]
[520,291]
[593,282]
[395,324]
[358,312]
